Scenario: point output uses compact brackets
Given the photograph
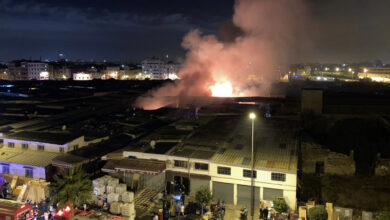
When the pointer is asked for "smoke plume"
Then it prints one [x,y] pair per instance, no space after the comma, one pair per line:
[270,33]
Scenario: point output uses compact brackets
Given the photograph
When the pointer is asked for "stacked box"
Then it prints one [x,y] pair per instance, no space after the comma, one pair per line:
[121,188]
[112,197]
[128,210]
[128,197]
[115,208]
[111,188]
[99,190]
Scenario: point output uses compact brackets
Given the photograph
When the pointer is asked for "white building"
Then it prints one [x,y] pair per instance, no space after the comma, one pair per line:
[82,76]
[29,154]
[34,70]
[223,165]
[158,69]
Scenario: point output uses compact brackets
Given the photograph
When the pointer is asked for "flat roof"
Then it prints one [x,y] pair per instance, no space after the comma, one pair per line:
[27,157]
[59,138]
[227,140]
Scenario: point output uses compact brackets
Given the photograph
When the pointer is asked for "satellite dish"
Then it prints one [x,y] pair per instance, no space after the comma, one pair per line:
[153,144]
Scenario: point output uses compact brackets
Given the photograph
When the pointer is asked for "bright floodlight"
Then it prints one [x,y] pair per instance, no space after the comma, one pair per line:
[252,116]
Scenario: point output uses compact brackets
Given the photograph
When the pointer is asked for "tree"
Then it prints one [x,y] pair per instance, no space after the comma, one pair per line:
[280,205]
[71,188]
[203,197]
[318,213]
[385,215]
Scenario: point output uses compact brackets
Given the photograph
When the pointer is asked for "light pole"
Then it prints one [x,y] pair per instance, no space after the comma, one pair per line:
[252,116]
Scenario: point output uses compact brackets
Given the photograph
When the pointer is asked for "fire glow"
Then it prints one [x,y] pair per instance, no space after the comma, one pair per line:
[222,89]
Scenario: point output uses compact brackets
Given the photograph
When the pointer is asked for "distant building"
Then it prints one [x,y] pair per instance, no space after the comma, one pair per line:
[82,76]
[37,71]
[159,69]
[4,73]
[379,74]
[17,70]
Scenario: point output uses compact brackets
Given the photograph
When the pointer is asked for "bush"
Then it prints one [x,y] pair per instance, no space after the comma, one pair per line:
[318,213]
[385,215]
[203,196]
[280,205]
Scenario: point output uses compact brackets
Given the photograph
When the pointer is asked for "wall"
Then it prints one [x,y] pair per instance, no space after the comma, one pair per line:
[262,180]
[19,170]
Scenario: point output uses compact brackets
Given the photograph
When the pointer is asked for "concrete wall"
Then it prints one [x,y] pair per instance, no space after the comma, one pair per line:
[32,145]
[262,180]
[20,170]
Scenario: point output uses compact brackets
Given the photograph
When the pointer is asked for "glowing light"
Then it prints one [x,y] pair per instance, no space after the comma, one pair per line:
[350,70]
[222,89]
[60,213]
[67,209]
[252,115]
[337,69]
[172,76]
[365,70]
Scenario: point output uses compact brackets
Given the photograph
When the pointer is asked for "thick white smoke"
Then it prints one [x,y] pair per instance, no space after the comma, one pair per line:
[272,29]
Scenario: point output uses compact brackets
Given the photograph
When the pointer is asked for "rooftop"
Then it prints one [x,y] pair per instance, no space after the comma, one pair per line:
[27,157]
[44,137]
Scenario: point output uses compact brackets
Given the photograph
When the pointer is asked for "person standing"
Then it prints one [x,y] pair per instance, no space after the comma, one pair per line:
[177,209]
[265,213]
[182,210]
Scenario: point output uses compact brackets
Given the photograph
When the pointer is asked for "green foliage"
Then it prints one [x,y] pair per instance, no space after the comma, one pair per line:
[71,188]
[318,213]
[280,205]
[385,215]
[203,196]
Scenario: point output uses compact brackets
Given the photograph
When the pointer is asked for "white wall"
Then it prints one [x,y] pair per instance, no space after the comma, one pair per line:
[20,170]
[32,145]
[263,178]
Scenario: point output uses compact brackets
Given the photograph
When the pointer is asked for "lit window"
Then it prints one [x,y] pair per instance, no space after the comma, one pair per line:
[181,163]
[224,170]
[41,147]
[5,168]
[278,177]
[201,166]
[247,173]
[25,146]
[29,172]
[11,144]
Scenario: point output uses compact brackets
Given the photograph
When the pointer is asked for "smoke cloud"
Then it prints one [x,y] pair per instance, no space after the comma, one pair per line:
[270,33]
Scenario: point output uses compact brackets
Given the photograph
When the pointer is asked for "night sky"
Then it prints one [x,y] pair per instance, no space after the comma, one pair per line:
[131,30]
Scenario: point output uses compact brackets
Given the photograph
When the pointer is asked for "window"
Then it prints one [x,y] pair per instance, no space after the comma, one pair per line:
[278,177]
[25,146]
[29,172]
[180,163]
[224,170]
[41,147]
[11,145]
[5,168]
[75,147]
[201,166]
[62,150]
[247,173]
[1,141]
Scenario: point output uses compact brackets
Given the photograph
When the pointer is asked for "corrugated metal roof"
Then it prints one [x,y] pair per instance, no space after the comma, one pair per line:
[27,157]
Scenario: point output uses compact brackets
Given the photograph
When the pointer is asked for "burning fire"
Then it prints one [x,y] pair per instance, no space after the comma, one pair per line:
[222,89]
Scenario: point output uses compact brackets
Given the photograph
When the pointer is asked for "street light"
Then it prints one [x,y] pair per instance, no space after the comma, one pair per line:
[252,116]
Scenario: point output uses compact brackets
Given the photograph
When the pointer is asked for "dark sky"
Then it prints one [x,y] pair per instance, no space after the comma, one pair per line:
[125,30]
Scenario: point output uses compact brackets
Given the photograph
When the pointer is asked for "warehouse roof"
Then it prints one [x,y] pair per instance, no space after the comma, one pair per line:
[27,157]
[59,138]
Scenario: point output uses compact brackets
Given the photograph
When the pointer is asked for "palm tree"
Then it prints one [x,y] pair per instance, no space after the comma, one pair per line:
[72,187]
